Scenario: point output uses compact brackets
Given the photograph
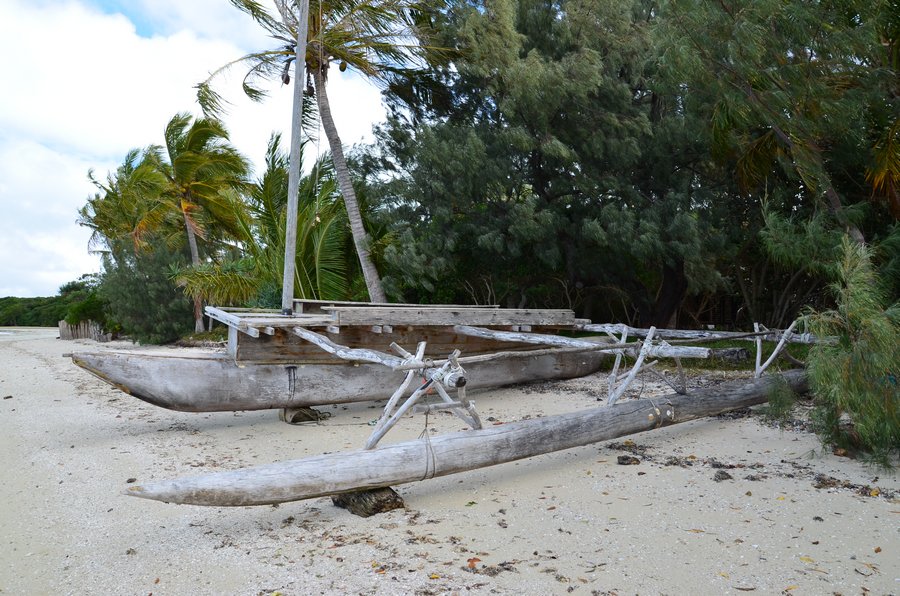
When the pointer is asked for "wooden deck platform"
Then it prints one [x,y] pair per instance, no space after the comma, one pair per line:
[259,334]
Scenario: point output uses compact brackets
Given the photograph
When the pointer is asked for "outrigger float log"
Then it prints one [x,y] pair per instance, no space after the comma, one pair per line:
[430,457]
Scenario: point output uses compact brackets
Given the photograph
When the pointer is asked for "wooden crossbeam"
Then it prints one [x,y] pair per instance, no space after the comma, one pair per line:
[446,316]
[661,351]
[701,335]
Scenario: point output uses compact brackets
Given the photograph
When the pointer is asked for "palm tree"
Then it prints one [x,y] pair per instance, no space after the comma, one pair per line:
[116,212]
[321,266]
[201,169]
[376,38]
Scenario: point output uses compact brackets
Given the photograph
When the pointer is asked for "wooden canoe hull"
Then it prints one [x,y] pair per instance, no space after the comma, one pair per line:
[213,382]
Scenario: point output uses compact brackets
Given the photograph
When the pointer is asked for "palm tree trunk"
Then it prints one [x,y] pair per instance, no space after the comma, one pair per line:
[195,261]
[360,237]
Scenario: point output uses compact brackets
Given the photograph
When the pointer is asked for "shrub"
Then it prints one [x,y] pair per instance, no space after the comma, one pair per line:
[856,379]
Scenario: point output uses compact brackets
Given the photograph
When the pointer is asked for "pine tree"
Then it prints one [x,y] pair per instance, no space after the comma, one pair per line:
[856,378]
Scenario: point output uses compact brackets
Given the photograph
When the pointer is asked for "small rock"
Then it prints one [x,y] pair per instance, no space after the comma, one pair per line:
[365,503]
[722,475]
[627,460]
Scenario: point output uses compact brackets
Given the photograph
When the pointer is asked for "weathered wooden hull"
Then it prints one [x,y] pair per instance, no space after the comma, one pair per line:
[412,461]
[213,382]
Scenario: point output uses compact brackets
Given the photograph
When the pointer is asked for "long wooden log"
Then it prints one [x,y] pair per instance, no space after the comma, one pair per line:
[701,335]
[352,354]
[664,351]
[421,459]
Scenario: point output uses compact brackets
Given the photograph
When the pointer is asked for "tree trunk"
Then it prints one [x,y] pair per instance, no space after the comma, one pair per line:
[412,461]
[360,237]
[195,261]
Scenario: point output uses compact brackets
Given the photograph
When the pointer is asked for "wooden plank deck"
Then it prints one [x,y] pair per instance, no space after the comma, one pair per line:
[302,305]
[449,315]
[337,314]
[267,335]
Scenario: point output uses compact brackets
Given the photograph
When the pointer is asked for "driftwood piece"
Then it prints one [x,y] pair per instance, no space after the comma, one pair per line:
[780,346]
[395,397]
[613,374]
[366,503]
[412,461]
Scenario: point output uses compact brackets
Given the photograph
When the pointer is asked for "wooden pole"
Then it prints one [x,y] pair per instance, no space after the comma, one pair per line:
[412,461]
[699,335]
[294,167]
[645,349]
[664,351]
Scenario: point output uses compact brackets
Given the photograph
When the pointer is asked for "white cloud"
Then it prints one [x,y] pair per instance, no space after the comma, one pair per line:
[212,19]
[83,87]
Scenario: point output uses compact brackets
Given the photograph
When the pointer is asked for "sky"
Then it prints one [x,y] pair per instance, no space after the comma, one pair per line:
[87,80]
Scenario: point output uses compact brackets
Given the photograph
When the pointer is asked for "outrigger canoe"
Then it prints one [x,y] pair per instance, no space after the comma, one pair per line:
[295,361]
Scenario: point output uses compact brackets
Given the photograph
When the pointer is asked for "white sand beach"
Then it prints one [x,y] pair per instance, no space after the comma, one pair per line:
[569,522]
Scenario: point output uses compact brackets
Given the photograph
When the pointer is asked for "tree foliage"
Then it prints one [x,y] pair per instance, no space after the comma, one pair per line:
[142,301]
[858,376]
[322,270]
[375,38]
[550,173]
[76,301]
[802,93]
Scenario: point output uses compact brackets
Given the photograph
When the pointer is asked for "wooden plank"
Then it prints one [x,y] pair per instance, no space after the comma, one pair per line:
[239,310]
[428,316]
[233,342]
[242,319]
[413,461]
[222,316]
[302,305]
[286,347]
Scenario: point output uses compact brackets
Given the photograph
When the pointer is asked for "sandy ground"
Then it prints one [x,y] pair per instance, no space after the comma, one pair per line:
[569,522]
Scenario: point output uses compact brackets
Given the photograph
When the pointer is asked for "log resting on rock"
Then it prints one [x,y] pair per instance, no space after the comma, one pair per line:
[412,461]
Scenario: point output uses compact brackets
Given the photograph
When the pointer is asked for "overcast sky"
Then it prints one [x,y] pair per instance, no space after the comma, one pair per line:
[84,81]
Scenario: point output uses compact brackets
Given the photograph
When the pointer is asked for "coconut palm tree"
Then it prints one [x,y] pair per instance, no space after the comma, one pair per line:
[117,210]
[376,38]
[321,265]
[201,170]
